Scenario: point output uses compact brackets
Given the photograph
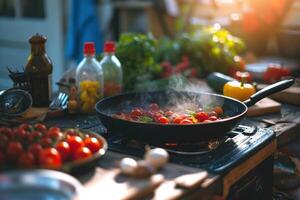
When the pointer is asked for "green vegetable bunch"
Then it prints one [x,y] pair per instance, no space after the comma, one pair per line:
[137,52]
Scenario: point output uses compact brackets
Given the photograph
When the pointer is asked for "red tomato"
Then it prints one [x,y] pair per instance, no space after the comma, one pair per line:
[35,149]
[46,142]
[3,141]
[163,120]
[55,133]
[81,153]
[201,116]
[14,149]
[169,113]
[54,128]
[5,130]
[186,121]
[75,142]
[212,113]
[153,107]
[212,118]
[21,133]
[71,132]
[93,144]
[136,112]
[64,149]
[40,127]
[26,159]
[34,136]
[50,158]
[177,119]
[25,127]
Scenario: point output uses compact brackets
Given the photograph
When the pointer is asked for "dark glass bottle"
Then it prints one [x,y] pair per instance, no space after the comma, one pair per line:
[39,71]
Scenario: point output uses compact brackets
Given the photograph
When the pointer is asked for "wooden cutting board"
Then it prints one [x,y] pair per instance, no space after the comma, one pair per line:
[111,184]
[172,182]
[289,95]
[264,106]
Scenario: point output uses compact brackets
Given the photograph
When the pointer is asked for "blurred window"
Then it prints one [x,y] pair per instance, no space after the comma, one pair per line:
[7,8]
[33,9]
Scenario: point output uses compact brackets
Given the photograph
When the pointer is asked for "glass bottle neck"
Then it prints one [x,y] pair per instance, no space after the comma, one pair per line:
[38,49]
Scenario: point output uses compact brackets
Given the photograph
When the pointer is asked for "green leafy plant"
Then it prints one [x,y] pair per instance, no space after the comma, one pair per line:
[204,50]
[137,53]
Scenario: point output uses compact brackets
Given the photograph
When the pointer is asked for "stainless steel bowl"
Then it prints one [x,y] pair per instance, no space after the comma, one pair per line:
[38,185]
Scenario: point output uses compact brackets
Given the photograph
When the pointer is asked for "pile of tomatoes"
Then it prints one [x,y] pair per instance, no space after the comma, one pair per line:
[30,146]
[153,113]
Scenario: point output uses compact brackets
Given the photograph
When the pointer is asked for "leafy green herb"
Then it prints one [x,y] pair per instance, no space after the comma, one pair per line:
[136,53]
[145,119]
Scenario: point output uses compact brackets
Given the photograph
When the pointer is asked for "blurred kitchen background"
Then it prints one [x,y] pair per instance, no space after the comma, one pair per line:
[269,27]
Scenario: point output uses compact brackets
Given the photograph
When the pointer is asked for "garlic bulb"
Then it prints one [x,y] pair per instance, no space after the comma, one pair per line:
[128,166]
[158,157]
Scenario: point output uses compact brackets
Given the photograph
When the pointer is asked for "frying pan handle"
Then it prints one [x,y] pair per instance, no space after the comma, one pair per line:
[271,89]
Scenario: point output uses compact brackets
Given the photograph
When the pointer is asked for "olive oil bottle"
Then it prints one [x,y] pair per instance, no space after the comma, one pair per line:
[39,72]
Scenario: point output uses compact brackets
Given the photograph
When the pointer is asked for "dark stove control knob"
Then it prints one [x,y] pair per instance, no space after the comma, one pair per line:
[250,130]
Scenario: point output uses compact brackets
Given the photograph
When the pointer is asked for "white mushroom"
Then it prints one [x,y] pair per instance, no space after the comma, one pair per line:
[157,157]
[128,166]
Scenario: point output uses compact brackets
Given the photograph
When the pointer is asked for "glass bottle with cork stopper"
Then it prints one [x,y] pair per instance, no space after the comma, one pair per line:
[112,70]
[39,72]
[89,79]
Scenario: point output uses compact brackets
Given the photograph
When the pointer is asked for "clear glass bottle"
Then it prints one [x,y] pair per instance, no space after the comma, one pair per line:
[39,72]
[112,70]
[89,79]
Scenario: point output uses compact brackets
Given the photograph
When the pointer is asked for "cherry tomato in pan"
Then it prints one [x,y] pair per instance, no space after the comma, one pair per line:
[136,112]
[186,121]
[201,116]
[212,118]
[163,120]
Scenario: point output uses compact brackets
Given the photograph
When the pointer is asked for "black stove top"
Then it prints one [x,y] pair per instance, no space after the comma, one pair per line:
[217,156]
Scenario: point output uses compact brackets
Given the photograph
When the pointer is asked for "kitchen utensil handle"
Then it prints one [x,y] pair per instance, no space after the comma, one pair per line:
[271,89]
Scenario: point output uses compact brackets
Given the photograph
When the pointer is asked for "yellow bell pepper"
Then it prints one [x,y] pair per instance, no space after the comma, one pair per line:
[238,90]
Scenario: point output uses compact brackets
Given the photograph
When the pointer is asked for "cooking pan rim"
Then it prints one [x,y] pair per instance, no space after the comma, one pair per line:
[173,125]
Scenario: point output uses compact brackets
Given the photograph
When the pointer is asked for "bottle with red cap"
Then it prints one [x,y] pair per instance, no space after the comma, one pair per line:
[112,70]
[89,79]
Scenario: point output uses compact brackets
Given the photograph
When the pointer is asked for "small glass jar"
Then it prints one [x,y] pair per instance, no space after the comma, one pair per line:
[89,80]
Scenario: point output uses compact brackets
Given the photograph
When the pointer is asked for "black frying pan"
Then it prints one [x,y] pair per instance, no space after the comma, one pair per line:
[154,132]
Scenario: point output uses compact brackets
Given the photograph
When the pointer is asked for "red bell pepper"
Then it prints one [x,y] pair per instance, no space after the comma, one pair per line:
[275,72]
